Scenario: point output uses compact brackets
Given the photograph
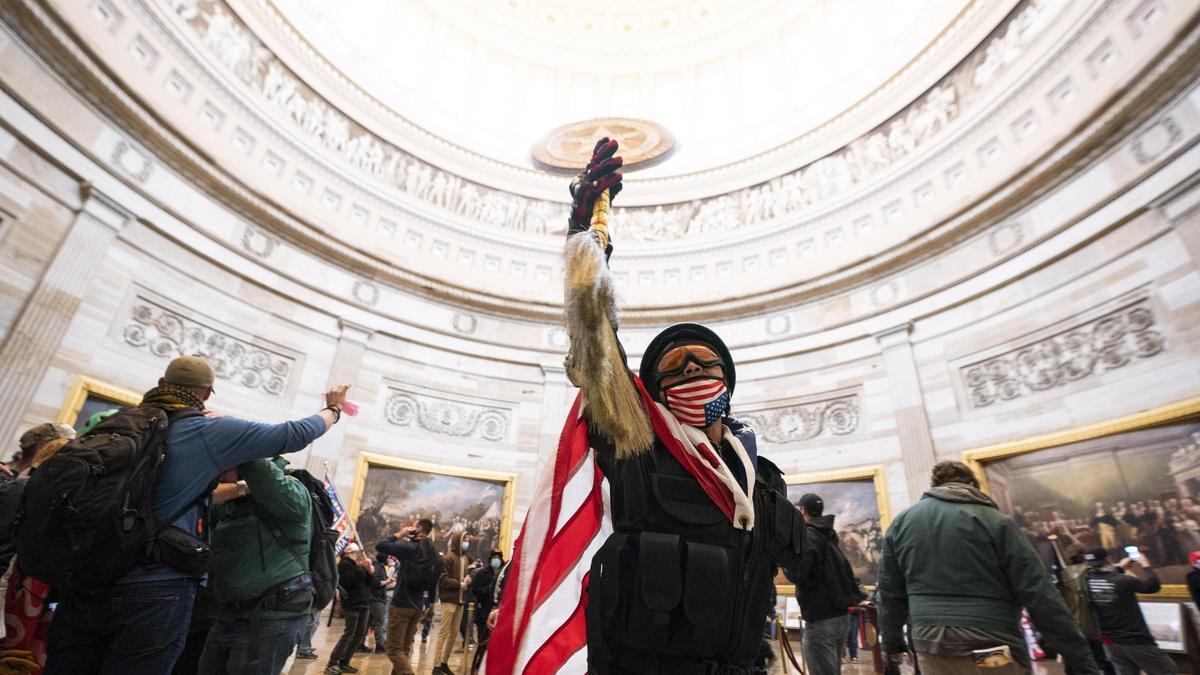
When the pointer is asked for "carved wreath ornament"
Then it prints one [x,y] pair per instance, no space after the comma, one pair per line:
[1109,342]
[834,417]
[443,416]
[167,334]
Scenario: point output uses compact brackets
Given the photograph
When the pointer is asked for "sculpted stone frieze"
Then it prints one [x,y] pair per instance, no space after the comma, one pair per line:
[446,416]
[805,421]
[243,54]
[1111,341]
[165,333]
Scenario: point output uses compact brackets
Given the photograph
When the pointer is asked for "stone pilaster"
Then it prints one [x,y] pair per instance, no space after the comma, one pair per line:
[37,333]
[557,395]
[347,361]
[908,405]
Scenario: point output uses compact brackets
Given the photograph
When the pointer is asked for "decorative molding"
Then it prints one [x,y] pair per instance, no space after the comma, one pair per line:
[234,45]
[1005,237]
[366,292]
[132,161]
[464,323]
[1102,344]
[446,416]
[166,333]
[779,324]
[1156,139]
[258,242]
[838,416]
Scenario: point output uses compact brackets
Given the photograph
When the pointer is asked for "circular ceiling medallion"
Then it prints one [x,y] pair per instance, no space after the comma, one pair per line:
[566,149]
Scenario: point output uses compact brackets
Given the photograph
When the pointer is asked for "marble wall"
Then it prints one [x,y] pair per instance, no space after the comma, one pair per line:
[1073,302]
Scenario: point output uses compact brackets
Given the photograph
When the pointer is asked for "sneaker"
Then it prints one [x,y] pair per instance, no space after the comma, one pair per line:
[346,668]
[308,654]
[380,650]
[332,670]
[364,649]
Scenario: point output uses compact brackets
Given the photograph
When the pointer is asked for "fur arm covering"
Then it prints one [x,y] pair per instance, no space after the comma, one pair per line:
[596,363]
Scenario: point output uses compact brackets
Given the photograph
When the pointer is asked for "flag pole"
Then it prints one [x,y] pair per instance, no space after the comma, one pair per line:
[350,521]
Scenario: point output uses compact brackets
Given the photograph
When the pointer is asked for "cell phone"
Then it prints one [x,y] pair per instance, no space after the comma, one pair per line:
[1133,553]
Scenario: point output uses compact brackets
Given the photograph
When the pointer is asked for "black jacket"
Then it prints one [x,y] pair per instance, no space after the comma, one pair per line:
[378,591]
[356,582]
[809,575]
[404,552]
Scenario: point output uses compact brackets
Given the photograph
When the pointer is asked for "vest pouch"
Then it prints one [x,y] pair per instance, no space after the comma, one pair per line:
[685,507]
[707,590]
[178,549]
[653,600]
[293,595]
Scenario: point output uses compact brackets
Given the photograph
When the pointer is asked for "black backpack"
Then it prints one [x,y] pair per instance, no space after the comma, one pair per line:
[86,518]
[840,582]
[423,572]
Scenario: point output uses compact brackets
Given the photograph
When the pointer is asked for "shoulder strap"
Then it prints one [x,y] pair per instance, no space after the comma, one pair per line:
[273,526]
[174,416]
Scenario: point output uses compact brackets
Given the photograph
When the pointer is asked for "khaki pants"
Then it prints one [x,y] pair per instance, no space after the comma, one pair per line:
[448,632]
[935,664]
[402,628]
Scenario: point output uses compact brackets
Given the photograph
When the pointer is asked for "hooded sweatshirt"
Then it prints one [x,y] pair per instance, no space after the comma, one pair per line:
[450,585]
[952,559]
[809,574]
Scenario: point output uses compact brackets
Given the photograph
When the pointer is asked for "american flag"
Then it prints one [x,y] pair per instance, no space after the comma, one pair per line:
[541,626]
[341,522]
[684,398]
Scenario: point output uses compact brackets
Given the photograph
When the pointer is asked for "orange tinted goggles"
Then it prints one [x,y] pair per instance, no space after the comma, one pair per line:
[675,360]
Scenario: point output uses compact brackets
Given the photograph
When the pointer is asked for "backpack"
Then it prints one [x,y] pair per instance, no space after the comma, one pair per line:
[423,572]
[1078,599]
[840,582]
[86,517]
[322,545]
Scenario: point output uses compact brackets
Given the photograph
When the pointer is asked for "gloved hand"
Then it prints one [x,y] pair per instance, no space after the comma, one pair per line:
[599,175]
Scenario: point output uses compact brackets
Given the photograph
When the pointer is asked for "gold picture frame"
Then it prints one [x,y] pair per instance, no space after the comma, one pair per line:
[1183,411]
[84,388]
[509,481]
[876,474]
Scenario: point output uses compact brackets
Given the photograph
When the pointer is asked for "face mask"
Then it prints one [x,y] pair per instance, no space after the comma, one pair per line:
[495,564]
[698,402]
[464,546]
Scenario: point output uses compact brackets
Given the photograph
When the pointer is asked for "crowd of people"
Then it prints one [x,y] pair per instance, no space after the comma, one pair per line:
[1166,528]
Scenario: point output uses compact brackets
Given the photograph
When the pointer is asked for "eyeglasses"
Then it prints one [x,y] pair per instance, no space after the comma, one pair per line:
[675,361]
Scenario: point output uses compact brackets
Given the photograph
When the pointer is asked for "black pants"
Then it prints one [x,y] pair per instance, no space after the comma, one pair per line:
[356,629]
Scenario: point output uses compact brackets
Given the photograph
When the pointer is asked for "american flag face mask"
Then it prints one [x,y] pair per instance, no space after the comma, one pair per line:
[698,402]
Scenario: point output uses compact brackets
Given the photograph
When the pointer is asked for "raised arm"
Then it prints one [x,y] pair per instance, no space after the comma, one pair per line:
[596,362]
[233,441]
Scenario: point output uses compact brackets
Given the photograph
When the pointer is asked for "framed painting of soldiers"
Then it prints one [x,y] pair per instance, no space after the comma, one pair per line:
[1133,481]
[89,396]
[858,500]
[390,492]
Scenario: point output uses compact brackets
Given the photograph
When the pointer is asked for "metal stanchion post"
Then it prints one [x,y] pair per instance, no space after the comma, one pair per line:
[466,661]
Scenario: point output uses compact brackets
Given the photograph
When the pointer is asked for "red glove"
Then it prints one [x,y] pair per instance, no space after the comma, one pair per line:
[599,175]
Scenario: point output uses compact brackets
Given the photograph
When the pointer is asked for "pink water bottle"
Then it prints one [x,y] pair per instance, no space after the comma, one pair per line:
[350,408]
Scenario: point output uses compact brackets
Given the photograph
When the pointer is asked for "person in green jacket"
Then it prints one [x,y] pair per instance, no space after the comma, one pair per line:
[259,572]
[958,572]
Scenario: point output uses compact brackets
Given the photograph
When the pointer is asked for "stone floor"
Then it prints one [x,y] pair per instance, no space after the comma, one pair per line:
[377,664]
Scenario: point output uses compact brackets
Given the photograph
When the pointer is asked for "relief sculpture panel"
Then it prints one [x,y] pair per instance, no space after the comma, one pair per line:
[1111,341]
[166,333]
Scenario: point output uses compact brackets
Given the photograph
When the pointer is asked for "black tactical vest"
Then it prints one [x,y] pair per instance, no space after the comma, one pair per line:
[677,588]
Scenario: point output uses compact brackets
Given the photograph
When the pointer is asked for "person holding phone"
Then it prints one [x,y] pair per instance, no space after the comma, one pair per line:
[1113,590]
